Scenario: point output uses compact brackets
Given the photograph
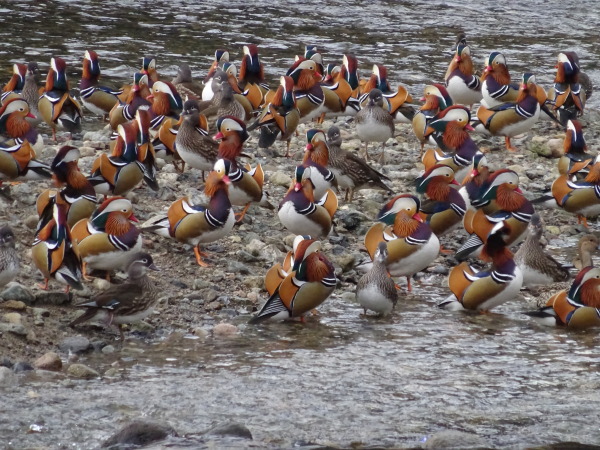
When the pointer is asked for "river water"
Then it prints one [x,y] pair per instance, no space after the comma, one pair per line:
[340,379]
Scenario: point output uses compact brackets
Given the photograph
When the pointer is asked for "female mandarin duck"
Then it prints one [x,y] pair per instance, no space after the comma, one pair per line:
[485,290]
[567,96]
[192,143]
[197,224]
[300,213]
[56,105]
[54,252]
[496,87]
[185,85]
[279,119]
[499,200]
[107,240]
[579,308]
[246,183]
[15,127]
[351,172]
[308,93]
[136,96]
[397,103]
[463,86]
[311,281]
[98,99]
[444,207]
[221,57]
[457,149]
[587,245]
[581,198]
[376,290]
[77,194]
[538,267]
[316,156]
[411,244]
[277,273]
[374,124]
[511,119]
[575,162]
[224,101]
[436,99]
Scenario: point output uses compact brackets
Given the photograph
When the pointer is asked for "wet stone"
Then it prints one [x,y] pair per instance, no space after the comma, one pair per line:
[14,328]
[82,371]
[139,433]
[451,439]
[53,298]
[75,344]
[15,305]
[233,429]
[5,362]
[48,361]
[12,317]
[22,366]
[7,377]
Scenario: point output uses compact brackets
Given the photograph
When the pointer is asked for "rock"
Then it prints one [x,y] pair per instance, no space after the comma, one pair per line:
[13,328]
[255,247]
[101,284]
[52,298]
[97,136]
[48,361]
[556,147]
[280,179]
[440,269]
[238,267]
[12,317]
[450,439]
[225,330]
[553,229]
[38,316]
[22,366]
[255,281]
[15,305]
[345,261]
[7,377]
[139,433]
[108,349]
[349,297]
[200,283]
[31,221]
[75,344]
[233,429]
[82,371]
[5,362]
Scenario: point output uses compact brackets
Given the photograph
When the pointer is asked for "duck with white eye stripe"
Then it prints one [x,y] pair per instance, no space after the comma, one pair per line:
[376,291]
[463,86]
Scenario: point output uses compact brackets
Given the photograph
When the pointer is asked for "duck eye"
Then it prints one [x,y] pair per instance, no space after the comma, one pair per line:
[144,260]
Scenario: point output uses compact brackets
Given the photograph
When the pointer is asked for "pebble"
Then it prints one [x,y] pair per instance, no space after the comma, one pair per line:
[22,366]
[255,246]
[232,429]
[75,344]
[82,371]
[452,439]
[12,318]
[280,179]
[48,361]
[7,377]
[225,330]
[349,297]
[13,328]
[52,298]
[31,221]
[38,316]
[139,434]
[101,284]
[15,305]
[108,349]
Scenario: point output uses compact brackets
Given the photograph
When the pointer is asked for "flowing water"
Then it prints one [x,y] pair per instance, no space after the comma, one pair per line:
[342,378]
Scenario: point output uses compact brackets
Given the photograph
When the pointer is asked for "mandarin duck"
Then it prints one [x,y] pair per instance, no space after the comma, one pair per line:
[463,86]
[566,96]
[14,86]
[301,213]
[499,200]
[444,208]
[77,194]
[330,73]
[411,244]
[308,93]
[246,183]
[125,110]
[55,252]
[511,119]
[192,142]
[538,267]
[31,92]
[436,99]
[587,245]
[486,289]
[56,106]
[579,307]
[375,290]
[251,78]
[18,163]
[575,161]
[397,103]
[449,129]
[374,124]
[277,273]
[97,99]
[184,84]
[351,172]
[279,119]
[107,239]
[340,96]
[581,198]
[15,127]
[166,104]
[312,52]
[128,302]
[198,224]
[471,185]
[221,57]
[224,102]
[316,156]
[496,87]
[149,69]
[10,262]
[311,281]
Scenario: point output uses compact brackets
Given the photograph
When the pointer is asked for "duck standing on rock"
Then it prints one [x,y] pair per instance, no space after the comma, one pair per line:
[375,289]
[374,123]
[124,303]
[575,161]
[316,156]
[10,263]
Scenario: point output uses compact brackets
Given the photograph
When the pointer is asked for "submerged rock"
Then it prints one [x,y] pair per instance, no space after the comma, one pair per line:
[138,433]
[7,377]
[233,429]
[452,439]
[82,371]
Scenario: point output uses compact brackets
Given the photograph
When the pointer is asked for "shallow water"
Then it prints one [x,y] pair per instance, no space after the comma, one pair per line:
[340,378]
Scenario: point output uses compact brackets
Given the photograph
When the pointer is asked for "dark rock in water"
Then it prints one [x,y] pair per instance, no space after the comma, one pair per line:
[22,366]
[452,439]
[138,433]
[231,430]
[5,362]
[18,292]
[75,344]
[566,446]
